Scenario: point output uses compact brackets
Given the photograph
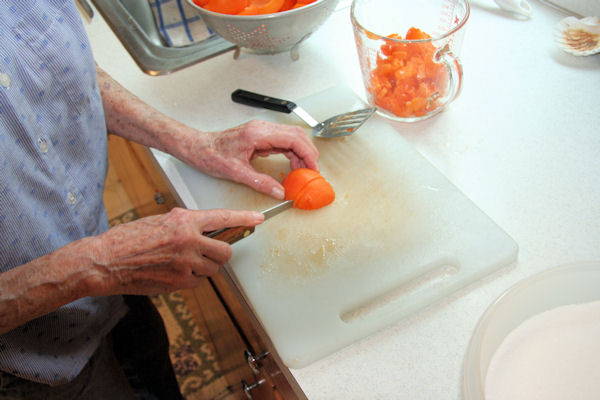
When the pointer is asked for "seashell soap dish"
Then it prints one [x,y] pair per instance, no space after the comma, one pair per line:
[580,37]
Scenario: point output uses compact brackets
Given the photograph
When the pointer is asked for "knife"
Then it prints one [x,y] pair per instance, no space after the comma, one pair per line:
[87,8]
[233,234]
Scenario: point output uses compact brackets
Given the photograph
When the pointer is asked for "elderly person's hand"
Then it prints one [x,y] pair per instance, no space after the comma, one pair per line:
[224,154]
[227,154]
[151,255]
[164,252]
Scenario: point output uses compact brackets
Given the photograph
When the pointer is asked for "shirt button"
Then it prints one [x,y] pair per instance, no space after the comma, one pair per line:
[42,145]
[71,198]
[4,80]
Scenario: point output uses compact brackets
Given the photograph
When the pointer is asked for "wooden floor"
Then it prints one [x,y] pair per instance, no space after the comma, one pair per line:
[134,189]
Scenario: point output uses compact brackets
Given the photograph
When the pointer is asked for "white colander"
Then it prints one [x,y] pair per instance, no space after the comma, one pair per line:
[269,33]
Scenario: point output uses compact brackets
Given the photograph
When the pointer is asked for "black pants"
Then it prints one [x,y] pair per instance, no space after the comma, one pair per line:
[142,348]
[131,363]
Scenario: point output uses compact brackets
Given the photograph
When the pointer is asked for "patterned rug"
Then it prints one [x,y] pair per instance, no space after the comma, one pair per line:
[193,356]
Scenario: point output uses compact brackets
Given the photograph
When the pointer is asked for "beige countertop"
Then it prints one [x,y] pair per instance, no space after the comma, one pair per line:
[521,142]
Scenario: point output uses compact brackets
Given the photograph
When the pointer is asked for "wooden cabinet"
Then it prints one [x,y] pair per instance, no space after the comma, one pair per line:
[238,344]
[258,354]
[249,367]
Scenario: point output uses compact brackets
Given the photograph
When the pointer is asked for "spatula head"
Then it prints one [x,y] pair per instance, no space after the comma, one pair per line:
[343,124]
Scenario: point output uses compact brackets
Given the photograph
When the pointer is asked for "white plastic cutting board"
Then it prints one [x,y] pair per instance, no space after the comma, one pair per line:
[398,238]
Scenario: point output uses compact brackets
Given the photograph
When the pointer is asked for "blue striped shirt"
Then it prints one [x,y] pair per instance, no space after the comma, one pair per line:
[53,148]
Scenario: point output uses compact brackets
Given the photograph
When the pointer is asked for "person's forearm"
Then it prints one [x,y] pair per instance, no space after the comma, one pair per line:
[131,118]
[46,283]
[225,154]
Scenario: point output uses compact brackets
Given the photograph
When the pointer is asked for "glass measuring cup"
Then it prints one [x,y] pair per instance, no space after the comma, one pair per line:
[408,54]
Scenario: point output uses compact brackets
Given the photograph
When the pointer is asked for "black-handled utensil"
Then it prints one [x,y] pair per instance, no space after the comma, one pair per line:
[336,126]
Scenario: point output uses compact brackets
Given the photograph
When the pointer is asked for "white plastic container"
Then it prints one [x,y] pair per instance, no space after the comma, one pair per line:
[559,286]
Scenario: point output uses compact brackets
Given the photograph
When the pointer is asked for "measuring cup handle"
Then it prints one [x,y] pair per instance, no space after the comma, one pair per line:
[455,71]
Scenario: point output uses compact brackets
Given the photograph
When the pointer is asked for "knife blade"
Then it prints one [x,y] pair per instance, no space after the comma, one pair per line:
[236,233]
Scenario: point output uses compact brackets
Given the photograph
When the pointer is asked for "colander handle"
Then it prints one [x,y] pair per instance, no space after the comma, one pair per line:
[262,101]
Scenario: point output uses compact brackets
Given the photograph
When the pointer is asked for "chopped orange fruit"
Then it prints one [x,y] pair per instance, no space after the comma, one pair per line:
[407,81]
[251,7]
[308,189]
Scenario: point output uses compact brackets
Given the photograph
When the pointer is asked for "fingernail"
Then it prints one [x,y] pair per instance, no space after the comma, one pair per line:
[278,193]
[258,217]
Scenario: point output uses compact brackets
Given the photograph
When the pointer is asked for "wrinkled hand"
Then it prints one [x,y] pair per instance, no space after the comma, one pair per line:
[227,154]
[164,252]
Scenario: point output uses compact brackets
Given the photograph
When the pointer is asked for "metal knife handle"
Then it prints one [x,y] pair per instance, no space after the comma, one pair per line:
[230,235]
[262,101]
[87,8]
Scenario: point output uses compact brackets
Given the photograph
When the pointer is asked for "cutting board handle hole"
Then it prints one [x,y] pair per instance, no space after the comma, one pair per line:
[436,273]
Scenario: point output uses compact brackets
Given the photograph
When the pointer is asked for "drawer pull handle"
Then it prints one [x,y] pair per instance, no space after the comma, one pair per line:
[254,361]
[249,388]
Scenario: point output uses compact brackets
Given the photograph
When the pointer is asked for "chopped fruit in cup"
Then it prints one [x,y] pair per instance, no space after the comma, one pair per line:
[407,81]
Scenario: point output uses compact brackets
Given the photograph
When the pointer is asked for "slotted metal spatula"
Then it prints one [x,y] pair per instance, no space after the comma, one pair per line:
[336,126]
